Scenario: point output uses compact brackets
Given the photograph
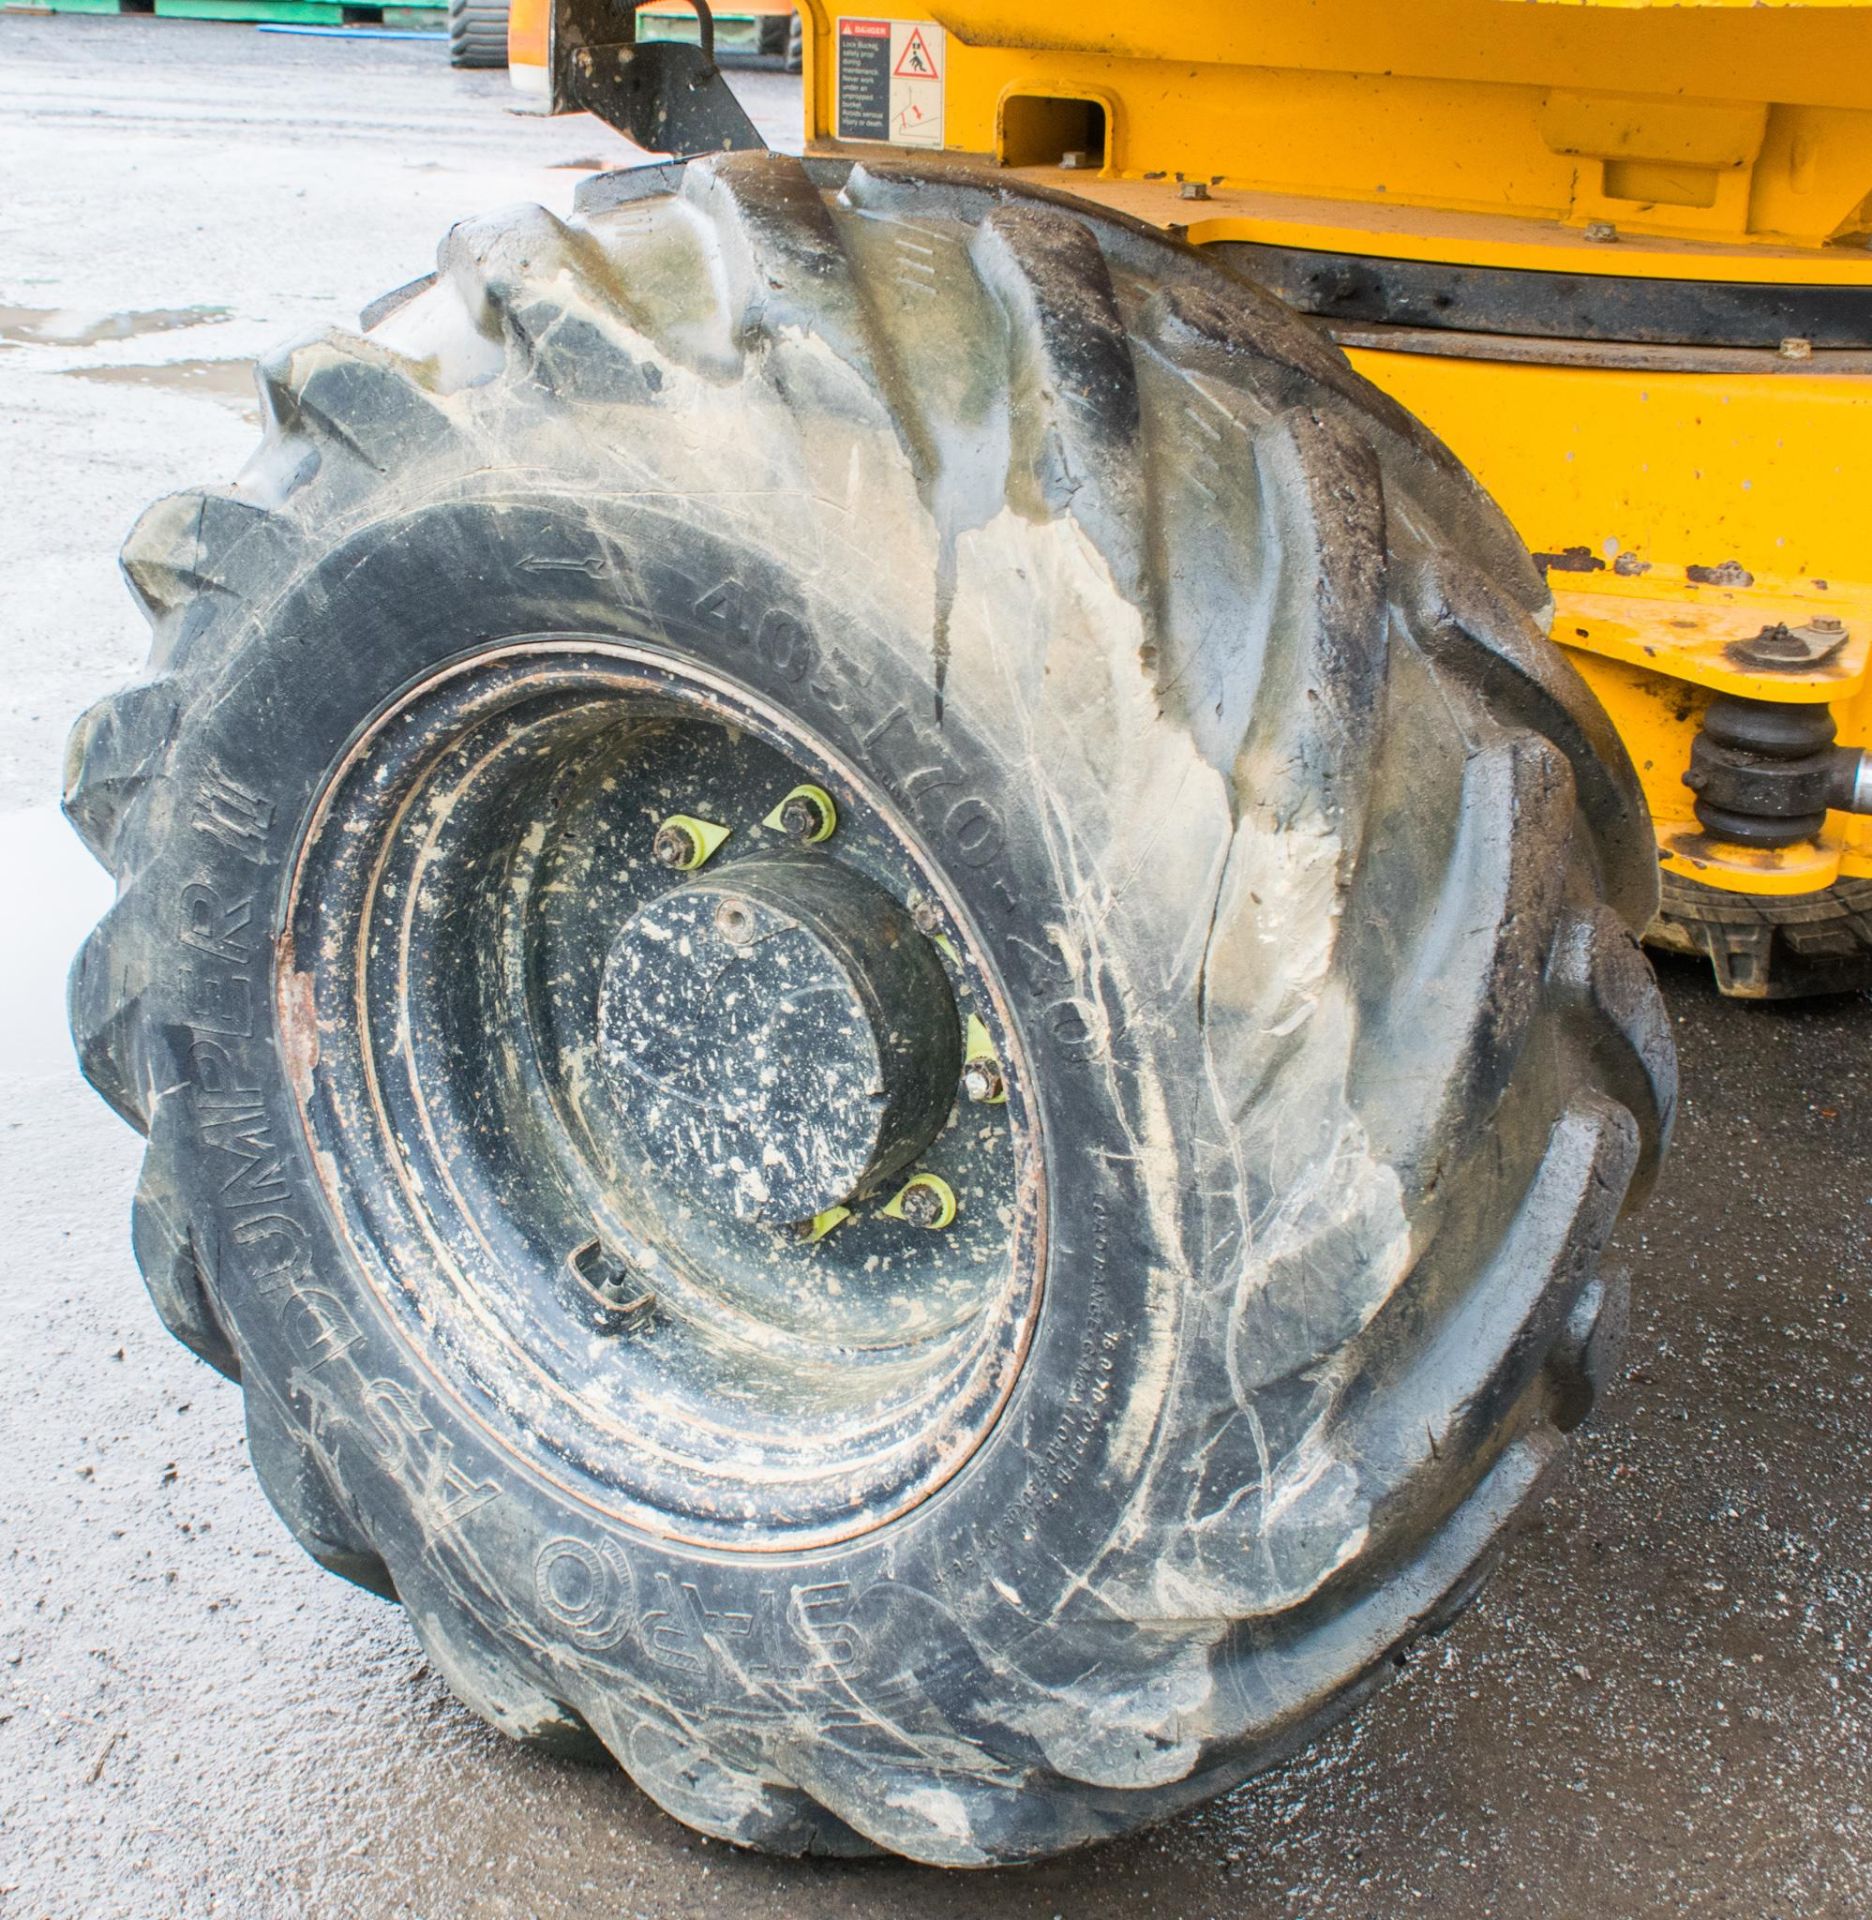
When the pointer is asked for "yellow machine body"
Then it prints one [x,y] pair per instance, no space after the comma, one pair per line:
[1763,474]
[1683,497]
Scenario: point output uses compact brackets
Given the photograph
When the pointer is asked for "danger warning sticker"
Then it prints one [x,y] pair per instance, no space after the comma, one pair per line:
[890,81]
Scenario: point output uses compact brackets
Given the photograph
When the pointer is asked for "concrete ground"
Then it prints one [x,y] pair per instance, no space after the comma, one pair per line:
[1661,1705]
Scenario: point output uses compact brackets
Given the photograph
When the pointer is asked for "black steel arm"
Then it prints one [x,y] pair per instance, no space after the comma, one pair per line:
[665,95]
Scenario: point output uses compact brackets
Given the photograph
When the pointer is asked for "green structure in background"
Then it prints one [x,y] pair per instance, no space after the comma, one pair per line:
[309,13]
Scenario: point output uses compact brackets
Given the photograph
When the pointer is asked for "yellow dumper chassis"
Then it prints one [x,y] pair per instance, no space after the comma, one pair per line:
[1616,255]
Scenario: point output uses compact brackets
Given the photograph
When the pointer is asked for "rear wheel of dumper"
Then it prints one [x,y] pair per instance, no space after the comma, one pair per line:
[885,999]
[1772,946]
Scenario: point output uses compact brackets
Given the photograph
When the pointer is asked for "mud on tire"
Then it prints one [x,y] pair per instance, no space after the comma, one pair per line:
[1305,875]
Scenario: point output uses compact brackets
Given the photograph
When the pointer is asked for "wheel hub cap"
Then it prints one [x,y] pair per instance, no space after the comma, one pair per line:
[782,1029]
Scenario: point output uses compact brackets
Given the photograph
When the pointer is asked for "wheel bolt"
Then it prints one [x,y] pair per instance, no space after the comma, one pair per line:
[801,818]
[922,1206]
[806,816]
[675,846]
[983,1082]
[928,1201]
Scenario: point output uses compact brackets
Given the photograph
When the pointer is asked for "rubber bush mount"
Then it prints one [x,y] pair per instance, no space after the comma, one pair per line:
[1316,880]
[477,31]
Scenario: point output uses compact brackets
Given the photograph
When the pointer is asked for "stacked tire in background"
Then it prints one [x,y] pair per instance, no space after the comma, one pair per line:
[477,33]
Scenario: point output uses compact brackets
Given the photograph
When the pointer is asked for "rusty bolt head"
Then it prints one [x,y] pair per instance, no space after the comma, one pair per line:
[734,921]
[1194,190]
[923,916]
[923,1206]
[1602,232]
[1781,648]
[982,1081]
[802,818]
[1074,159]
[1794,347]
[1777,642]
[674,846]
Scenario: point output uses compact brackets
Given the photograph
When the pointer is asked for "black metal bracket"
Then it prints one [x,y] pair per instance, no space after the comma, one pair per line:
[665,95]
[1360,290]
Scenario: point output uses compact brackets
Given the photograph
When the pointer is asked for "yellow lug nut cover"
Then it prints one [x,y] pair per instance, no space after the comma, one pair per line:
[926,1201]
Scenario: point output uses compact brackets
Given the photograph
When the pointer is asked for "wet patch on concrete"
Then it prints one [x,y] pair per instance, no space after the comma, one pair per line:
[229,381]
[74,327]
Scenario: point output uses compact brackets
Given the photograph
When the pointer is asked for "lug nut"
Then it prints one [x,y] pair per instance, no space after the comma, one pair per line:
[982,1078]
[684,843]
[810,1232]
[923,916]
[982,1081]
[800,819]
[806,816]
[675,846]
[922,1206]
[928,1201]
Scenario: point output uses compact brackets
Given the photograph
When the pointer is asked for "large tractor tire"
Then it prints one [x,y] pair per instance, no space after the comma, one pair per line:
[986,1302]
[477,31]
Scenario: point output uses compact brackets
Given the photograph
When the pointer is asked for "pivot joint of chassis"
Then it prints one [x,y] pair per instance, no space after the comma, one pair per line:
[1766,773]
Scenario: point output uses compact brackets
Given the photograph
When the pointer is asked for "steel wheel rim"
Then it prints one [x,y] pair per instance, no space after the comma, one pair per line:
[780,1392]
